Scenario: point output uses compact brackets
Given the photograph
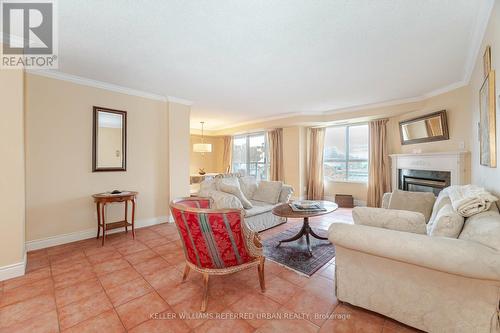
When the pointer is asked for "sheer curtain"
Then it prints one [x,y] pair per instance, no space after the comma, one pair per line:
[379,174]
[275,138]
[315,183]
[226,154]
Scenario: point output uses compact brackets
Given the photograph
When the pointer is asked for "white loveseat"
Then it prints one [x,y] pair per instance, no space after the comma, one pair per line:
[436,284]
[259,217]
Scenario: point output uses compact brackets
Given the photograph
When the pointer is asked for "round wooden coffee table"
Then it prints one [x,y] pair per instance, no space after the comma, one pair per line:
[284,210]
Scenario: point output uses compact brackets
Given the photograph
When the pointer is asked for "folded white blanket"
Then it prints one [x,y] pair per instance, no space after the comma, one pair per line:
[469,200]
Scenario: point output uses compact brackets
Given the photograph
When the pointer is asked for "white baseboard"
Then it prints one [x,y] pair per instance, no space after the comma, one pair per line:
[14,270]
[86,234]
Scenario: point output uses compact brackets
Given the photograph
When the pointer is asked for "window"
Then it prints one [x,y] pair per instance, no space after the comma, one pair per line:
[346,153]
[250,155]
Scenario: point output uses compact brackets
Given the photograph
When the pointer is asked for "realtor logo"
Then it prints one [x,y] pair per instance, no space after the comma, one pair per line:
[29,34]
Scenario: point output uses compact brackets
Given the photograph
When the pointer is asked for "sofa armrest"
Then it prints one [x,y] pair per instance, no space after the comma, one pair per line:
[450,255]
[285,194]
[386,198]
[393,219]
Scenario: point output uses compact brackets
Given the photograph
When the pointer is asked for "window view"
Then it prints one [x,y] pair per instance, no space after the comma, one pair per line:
[346,153]
[250,155]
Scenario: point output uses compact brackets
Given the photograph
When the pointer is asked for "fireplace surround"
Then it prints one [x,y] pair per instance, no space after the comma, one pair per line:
[430,172]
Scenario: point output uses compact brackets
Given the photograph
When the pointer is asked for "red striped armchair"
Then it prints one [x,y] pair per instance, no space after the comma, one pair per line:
[215,241]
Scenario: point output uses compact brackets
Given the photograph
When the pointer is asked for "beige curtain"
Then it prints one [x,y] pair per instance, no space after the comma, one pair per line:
[315,186]
[379,178]
[275,139]
[227,153]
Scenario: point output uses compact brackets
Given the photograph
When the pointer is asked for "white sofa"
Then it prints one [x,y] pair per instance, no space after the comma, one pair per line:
[257,218]
[436,284]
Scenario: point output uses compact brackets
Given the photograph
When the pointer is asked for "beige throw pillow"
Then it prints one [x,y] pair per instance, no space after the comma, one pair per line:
[448,223]
[268,191]
[236,191]
[420,202]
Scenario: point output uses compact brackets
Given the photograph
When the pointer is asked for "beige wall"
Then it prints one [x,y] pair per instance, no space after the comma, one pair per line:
[456,103]
[179,150]
[59,177]
[12,168]
[294,141]
[211,162]
[485,176]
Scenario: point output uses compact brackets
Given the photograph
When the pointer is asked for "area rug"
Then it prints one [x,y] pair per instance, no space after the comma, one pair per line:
[295,255]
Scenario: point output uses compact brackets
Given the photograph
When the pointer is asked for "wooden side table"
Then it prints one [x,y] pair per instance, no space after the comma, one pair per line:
[101,199]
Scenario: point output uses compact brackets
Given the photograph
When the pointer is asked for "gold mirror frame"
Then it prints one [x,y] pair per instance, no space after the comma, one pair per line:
[444,126]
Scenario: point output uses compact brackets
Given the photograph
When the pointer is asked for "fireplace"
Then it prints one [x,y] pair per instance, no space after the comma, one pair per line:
[429,172]
[423,180]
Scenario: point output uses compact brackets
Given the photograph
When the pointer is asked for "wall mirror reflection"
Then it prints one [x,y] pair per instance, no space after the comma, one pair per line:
[109,147]
[427,128]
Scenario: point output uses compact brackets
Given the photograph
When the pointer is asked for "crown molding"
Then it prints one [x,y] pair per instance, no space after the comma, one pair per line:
[177,100]
[416,99]
[482,20]
[106,86]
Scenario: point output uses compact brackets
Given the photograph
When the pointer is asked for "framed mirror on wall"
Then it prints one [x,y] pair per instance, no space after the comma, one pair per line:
[109,140]
[427,128]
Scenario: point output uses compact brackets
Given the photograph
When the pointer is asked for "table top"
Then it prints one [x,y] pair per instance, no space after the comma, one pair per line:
[118,195]
[284,210]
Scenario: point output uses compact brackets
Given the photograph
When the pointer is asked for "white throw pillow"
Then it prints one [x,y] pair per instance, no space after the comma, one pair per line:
[206,187]
[233,181]
[248,185]
[448,223]
[236,191]
[268,191]
[442,200]
[222,200]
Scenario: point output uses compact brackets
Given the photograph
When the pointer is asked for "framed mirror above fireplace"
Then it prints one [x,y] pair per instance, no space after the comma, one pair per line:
[427,128]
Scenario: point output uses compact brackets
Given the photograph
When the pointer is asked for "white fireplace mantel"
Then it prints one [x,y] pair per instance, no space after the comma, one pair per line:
[457,163]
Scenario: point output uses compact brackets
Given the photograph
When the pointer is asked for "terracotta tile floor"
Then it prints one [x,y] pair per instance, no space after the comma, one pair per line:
[83,287]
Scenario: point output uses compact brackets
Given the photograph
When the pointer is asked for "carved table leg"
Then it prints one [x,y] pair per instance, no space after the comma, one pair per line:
[103,219]
[133,218]
[126,214]
[98,220]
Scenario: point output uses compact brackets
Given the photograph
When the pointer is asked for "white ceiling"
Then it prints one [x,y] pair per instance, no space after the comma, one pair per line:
[240,60]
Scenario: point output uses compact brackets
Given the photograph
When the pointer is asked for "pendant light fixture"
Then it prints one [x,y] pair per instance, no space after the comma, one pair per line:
[202,147]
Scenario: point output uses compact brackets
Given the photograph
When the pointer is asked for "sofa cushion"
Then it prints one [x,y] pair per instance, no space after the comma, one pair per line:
[223,200]
[236,191]
[401,220]
[447,223]
[483,228]
[420,202]
[268,191]
[259,207]
[248,185]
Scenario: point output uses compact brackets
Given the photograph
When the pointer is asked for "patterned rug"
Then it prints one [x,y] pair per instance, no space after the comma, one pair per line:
[295,255]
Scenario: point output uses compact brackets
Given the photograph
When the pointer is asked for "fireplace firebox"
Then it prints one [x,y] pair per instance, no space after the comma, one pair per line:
[423,180]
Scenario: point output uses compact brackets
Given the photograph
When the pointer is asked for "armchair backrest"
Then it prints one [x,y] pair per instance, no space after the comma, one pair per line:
[211,238]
